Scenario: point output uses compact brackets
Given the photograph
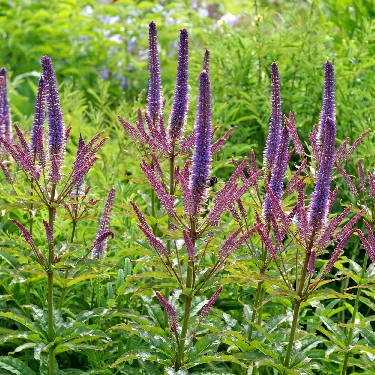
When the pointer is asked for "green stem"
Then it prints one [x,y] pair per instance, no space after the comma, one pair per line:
[51,255]
[297,307]
[355,310]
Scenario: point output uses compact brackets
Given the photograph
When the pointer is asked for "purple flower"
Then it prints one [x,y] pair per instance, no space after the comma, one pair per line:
[49,232]
[192,255]
[362,177]
[154,100]
[312,262]
[206,61]
[177,119]
[273,138]
[278,171]
[56,128]
[39,113]
[202,151]
[4,106]
[171,312]
[328,108]
[104,224]
[319,201]
[207,307]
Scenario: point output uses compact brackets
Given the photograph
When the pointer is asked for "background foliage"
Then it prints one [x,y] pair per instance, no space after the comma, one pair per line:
[99,51]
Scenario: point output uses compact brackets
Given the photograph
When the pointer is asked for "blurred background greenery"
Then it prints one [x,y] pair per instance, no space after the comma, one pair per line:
[99,50]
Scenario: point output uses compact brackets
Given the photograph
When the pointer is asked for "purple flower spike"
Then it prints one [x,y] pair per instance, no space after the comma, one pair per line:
[328,108]
[202,151]
[49,232]
[362,177]
[104,224]
[278,172]
[56,128]
[177,119]
[154,99]
[39,114]
[273,138]
[25,233]
[206,61]
[207,307]
[171,312]
[319,201]
[6,173]
[311,265]
[189,247]
[4,106]
[369,246]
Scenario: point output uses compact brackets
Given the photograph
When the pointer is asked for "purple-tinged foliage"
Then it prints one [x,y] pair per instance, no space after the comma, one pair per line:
[207,307]
[319,201]
[154,99]
[202,151]
[39,114]
[278,172]
[171,312]
[328,107]
[104,224]
[192,255]
[206,61]
[290,124]
[6,129]
[362,177]
[348,180]
[178,117]
[56,128]
[274,133]
[49,232]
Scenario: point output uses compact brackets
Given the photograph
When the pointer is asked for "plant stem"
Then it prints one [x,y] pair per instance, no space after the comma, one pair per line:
[51,332]
[297,307]
[355,310]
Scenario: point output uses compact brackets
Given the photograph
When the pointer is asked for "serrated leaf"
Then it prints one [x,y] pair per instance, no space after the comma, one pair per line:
[15,366]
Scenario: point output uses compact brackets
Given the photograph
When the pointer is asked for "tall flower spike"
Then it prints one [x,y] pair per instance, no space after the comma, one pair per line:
[56,128]
[104,224]
[154,99]
[4,106]
[319,201]
[278,171]
[177,119]
[171,312]
[39,114]
[206,61]
[273,138]
[328,107]
[202,151]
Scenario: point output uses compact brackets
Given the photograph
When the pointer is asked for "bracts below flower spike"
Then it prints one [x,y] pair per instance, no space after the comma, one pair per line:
[154,99]
[171,312]
[202,152]
[178,117]
[273,138]
[104,224]
[319,201]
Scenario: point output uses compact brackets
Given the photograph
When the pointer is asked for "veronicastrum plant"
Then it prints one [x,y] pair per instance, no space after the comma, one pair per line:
[50,185]
[193,220]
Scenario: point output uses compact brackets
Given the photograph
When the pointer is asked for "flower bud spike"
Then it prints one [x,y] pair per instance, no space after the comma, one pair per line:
[311,265]
[290,124]
[207,307]
[171,312]
[369,249]
[49,232]
[4,106]
[192,255]
[362,177]
[354,146]
[206,61]
[348,180]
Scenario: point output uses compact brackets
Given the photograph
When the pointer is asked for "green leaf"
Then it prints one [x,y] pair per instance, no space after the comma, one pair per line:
[15,366]
[207,343]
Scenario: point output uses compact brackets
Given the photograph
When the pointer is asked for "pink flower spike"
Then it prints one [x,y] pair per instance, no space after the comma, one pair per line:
[6,173]
[139,214]
[372,185]
[293,132]
[370,234]
[349,225]
[25,233]
[369,249]
[347,179]
[49,232]
[221,141]
[192,255]
[354,146]
[154,242]
[207,307]
[311,265]
[362,177]
[267,242]
[171,312]
[340,151]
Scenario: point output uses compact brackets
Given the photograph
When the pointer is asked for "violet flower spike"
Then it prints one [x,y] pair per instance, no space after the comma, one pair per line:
[154,99]
[39,114]
[328,107]
[366,244]
[192,255]
[207,307]
[293,132]
[104,224]
[206,61]
[25,233]
[319,201]
[362,177]
[348,180]
[278,171]
[56,128]
[49,233]
[171,312]
[312,262]
[178,117]
[202,151]
[273,138]
[4,106]
[6,173]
